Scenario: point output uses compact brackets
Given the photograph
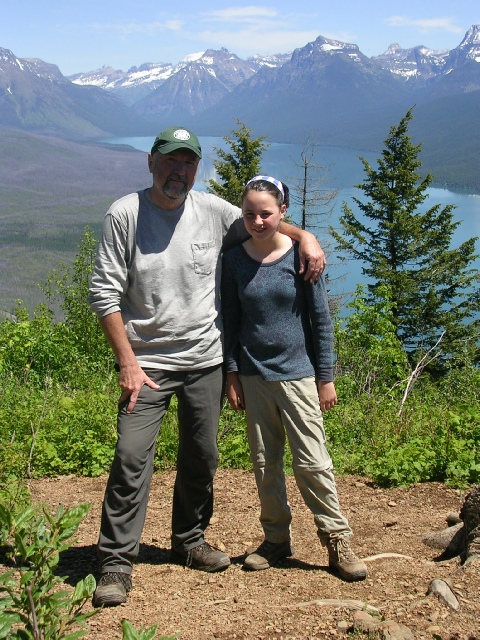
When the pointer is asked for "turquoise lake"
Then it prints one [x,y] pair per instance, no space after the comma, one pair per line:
[343,170]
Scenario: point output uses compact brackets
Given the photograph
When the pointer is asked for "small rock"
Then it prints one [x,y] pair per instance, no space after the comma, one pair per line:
[444,593]
[453,519]
[343,626]
[392,503]
[386,629]
[392,523]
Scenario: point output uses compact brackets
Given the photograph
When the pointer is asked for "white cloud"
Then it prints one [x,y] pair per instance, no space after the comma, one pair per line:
[174,25]
[126,28]
[240,14]
[425,25]
[254,29]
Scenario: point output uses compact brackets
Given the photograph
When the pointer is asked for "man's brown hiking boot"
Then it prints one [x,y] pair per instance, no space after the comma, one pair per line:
[203,557]
[112,589]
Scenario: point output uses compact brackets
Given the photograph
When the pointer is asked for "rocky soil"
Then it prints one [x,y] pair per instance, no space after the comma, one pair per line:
[299,599]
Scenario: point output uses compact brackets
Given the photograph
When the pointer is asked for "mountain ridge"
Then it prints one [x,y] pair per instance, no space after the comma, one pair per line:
[327,87]
[35,96]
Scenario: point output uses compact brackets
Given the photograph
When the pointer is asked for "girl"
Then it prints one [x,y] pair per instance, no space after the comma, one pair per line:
[279,357]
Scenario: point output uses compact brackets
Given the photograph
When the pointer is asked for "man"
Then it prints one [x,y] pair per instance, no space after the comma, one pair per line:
[155,289]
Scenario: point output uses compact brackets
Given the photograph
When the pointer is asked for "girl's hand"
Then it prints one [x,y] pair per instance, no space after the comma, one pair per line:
[326,395]
[235,391]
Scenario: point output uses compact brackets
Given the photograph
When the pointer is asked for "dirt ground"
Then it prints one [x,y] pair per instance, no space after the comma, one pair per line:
[283,602]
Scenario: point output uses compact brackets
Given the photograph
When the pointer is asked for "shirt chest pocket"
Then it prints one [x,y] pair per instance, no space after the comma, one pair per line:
[204,257]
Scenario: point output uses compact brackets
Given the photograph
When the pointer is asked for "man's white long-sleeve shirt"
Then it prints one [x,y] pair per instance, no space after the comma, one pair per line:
[161,269]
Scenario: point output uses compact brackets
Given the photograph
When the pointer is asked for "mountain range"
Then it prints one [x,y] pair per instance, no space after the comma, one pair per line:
[328,88]
[219,71]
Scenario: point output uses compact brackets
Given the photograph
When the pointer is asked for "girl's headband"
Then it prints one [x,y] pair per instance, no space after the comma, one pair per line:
[274,181]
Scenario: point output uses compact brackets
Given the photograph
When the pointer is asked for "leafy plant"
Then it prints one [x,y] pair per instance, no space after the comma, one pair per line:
[232,439]
[129,633]
[14,497]
[32,605]
[166,447]
[70,286]
[370,356]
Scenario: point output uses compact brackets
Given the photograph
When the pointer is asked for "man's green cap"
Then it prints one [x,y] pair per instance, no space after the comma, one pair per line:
[175,138]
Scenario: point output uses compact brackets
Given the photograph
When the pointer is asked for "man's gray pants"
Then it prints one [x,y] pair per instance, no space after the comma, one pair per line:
[199,394]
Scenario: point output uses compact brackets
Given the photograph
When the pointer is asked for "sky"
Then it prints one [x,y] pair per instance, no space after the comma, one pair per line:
[84,35]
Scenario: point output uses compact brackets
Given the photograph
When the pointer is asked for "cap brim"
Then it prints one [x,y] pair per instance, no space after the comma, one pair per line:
[174,146]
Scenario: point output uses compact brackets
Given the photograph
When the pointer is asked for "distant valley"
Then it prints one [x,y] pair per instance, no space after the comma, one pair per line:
[50,190]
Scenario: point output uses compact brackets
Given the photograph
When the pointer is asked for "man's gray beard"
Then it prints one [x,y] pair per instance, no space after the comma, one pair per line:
[175,192]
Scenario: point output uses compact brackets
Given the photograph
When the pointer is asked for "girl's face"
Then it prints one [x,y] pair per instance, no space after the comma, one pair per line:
[261,214]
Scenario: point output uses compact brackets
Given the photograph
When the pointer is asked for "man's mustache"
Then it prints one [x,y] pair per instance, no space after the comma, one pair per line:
[177,178]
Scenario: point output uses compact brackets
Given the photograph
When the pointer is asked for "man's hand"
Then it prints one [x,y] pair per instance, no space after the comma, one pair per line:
[311,253]
[131,379]
[312,257]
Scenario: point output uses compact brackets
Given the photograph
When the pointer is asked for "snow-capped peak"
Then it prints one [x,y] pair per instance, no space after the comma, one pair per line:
[192,57]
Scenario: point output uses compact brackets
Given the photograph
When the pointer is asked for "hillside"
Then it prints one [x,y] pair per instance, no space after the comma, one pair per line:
[82,180]
[450,145]
[35,96]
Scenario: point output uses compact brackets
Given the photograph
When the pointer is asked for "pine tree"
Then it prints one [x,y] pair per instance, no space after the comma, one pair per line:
[434,288]
[238,166]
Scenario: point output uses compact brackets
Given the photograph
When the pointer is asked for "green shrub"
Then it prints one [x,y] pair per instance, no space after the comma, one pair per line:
[233,448]
[58,432]
[428,442]
[77,436]
[69,286]
[166,447]
[370,356]
[32,605]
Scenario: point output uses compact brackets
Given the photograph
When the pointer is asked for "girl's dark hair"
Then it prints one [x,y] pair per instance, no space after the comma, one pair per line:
[265,185]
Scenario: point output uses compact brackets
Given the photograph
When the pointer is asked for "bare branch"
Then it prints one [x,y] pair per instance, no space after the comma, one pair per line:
[421,364]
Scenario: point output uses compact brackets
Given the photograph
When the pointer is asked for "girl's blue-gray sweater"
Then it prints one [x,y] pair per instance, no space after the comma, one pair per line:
[276,324]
